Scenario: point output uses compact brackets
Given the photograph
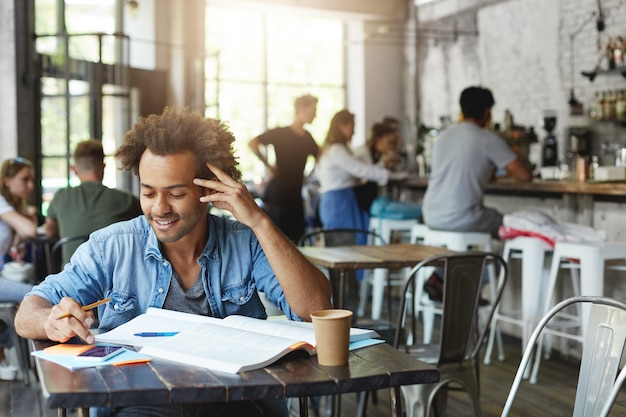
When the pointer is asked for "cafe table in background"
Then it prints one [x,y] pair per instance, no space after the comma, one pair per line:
[344,258]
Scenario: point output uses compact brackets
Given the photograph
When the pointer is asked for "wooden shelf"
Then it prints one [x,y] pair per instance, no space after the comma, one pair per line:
[591,75]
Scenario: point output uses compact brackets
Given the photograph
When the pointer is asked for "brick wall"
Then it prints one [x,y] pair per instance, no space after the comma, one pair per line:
[522,53]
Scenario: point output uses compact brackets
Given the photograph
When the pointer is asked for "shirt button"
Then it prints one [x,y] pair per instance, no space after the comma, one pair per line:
[164,263]
[160,290]
[241,299]
[116,307]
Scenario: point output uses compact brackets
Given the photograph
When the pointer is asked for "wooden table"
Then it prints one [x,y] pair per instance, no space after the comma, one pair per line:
[343,258]
[162,382]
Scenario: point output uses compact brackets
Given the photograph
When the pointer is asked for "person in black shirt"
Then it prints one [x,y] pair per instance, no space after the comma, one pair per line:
[292,147]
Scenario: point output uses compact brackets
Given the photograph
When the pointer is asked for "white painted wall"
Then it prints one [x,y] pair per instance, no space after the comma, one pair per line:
[8,105]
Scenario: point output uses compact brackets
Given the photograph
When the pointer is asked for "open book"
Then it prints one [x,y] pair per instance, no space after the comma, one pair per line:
[233,344]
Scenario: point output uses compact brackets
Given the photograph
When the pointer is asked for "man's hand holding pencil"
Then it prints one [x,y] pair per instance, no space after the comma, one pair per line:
[68,319]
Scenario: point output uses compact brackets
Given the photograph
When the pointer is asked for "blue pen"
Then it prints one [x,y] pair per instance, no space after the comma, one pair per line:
[155,334]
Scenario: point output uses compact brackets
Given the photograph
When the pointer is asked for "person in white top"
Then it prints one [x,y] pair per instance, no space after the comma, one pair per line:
[339,171]
[16,183]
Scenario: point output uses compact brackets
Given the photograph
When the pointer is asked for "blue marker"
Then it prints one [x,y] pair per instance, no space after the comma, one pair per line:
[155,334]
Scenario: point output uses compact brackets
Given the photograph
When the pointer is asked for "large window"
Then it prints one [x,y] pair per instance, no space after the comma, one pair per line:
[83,86]
[258,62]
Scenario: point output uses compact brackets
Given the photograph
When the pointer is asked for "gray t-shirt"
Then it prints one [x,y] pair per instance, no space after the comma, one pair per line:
[463,161]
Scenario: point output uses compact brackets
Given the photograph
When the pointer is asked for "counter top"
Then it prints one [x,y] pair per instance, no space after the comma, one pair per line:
[542,186]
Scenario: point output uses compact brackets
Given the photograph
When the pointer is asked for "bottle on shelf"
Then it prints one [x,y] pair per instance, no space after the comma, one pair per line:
[609,54]
[600,106]
[618,51]
[620,105]
[593,166]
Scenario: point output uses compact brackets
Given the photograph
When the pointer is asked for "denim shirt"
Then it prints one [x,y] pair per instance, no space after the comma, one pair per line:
[123,261]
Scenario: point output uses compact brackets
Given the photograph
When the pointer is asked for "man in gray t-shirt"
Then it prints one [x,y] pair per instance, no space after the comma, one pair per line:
[464,161]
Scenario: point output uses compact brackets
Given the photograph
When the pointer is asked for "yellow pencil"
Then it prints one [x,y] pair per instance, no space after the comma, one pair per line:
[87,307]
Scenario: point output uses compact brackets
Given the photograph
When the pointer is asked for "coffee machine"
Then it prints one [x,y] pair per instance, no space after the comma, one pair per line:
[549,155]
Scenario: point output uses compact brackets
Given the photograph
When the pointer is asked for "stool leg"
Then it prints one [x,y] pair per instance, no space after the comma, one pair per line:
[548,302]
[364,289]
[494,332]
[428,315]
[378,292]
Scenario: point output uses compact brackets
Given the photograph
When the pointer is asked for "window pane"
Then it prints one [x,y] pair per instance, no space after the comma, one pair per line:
[53,178]
[45,17]
[90,16]
[241,107]
[225,36]
[286,56]
[79,120]
[53,126]
[311,54]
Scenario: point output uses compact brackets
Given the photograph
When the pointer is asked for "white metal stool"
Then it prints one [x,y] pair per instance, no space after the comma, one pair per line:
[457,241]
[587,280]
[532,252]
[380,277]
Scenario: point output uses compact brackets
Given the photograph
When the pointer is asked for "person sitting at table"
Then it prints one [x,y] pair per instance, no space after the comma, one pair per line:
[17,222]
[78,211]
[16,225]
[381,149]
[177,256]
[464,160]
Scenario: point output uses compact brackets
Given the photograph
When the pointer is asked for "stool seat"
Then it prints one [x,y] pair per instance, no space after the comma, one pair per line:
[381,277]
[532,252]
[587,280]
[453,240]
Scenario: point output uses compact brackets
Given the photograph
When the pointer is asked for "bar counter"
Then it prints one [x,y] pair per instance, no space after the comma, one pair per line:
[537,187]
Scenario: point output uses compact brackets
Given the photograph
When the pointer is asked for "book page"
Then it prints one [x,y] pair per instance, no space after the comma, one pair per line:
[223,348]
[155,320]
[292,329]
[161,320]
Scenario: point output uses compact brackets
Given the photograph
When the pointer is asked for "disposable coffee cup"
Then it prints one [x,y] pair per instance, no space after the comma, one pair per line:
[332,336]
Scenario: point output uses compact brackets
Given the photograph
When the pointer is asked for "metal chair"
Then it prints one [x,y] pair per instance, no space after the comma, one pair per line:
[605,336]
[345,237]
[613,394]
[456,351]
[55,253]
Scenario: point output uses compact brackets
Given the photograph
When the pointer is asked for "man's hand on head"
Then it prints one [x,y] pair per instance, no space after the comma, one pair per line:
[228,194]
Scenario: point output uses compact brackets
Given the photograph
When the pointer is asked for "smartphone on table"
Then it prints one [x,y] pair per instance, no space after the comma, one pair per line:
[100,353]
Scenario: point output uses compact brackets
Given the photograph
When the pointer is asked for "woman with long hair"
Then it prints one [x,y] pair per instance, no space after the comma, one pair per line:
[339,171]
[16,225]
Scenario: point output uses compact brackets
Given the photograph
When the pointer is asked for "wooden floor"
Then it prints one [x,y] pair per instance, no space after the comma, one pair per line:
[552,395]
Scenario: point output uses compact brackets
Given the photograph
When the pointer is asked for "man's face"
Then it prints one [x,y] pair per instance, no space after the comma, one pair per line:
[169,199]
[309,112]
